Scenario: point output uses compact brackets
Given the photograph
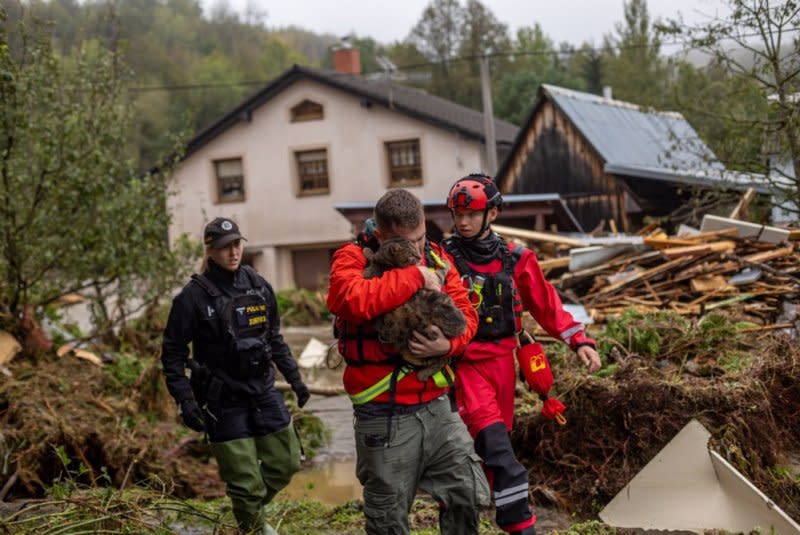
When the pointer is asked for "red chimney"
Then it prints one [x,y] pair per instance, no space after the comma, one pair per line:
[346,59]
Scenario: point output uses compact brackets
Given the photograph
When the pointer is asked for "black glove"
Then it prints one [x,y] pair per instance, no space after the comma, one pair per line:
[191,415]
[302,393]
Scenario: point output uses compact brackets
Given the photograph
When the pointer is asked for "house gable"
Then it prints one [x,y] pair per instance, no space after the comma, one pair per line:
[286,206]
[406,100]
[552,156]
[610,159]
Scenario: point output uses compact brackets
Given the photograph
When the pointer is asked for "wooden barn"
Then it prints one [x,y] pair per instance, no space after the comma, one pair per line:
[608,159]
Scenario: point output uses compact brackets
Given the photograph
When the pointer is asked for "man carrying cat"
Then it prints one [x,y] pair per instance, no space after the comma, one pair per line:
[407,434]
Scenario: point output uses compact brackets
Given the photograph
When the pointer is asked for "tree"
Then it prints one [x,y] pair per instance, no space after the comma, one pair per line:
[536,62]
[632,62]
[453,37]
[757,45]
[587,64]
[437,33]
[75,215]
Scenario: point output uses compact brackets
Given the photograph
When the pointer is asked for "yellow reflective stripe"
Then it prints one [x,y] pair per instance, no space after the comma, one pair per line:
[378,388]
[437,260]
[439,378]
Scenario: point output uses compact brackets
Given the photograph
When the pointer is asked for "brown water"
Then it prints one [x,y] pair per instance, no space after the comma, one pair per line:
[330,477]
[331,483]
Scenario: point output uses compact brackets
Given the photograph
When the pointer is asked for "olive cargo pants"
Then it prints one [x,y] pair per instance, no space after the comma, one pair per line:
[254,470]
[429,449]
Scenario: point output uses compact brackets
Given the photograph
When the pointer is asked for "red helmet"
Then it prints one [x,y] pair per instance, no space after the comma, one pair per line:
[474,192]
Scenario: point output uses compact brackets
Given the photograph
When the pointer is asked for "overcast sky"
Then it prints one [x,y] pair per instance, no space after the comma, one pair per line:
[573,21]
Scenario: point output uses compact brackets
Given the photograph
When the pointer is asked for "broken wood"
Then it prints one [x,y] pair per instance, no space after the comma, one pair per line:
[537,236]
[554,263]
[663,242]
[319,390]
[696,250]
[768,255]
[709,284]
[644,275]
[740,212]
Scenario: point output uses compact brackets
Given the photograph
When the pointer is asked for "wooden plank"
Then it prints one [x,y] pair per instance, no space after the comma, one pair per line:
[713,234]
[650,255]
[645,275]
[647,230]
[553,263]
[537,236]
[766,256]
[731,301]
[741,208]
[694,250]
[745,229]
[665,242]
[763,328]
[709,284]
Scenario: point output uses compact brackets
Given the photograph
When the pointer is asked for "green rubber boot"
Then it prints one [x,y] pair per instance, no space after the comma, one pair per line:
[239,469]
[279,457]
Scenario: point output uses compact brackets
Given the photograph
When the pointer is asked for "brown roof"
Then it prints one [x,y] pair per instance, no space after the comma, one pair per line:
[413,102]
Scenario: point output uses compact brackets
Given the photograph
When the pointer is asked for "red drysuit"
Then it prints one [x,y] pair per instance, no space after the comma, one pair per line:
[486,378]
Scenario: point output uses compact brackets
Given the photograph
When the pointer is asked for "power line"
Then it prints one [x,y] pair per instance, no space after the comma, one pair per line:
[413,66]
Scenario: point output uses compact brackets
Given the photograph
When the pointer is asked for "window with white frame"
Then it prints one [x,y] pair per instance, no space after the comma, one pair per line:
[312,171]
[230,180]
[405,163]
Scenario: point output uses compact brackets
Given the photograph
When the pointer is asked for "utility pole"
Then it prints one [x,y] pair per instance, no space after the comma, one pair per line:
[488,117]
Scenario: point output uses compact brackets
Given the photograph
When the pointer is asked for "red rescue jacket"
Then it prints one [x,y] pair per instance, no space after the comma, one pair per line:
[538,297]
[357,301]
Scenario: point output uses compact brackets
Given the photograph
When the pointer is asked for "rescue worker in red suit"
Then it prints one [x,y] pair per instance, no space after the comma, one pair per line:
[408,432]
[502,280]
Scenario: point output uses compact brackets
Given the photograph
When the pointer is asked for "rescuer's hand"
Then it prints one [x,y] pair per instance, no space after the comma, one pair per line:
[435,344]
[301,391]
[432,281]
[589,357]
[191,415]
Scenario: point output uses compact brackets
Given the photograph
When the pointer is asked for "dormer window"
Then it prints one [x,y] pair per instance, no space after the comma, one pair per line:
[307,110]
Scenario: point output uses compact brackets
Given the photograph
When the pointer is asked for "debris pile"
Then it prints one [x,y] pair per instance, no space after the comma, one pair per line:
[110,424]
[702,324]
[729,267]
[693,276]
[660,371]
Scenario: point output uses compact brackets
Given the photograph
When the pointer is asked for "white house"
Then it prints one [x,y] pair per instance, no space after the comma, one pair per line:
[279,162]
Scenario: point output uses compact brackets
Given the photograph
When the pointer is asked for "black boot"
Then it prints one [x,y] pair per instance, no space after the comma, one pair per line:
[527,531]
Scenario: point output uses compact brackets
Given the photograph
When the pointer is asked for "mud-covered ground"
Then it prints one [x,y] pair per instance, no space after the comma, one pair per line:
[83,445]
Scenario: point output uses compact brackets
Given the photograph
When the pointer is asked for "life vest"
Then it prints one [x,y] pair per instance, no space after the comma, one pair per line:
[244,350]
[360,347]
[495,296]
[358,343]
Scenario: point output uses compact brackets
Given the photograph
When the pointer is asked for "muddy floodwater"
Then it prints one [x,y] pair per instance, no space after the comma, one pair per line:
[330,476]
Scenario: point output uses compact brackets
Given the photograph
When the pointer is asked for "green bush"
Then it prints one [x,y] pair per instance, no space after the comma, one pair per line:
[126,368]
[299,306]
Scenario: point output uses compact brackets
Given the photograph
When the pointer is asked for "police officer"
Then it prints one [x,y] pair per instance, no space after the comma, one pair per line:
[230,316]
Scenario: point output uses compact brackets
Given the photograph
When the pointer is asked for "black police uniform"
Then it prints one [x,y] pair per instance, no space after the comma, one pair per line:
[246,419]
